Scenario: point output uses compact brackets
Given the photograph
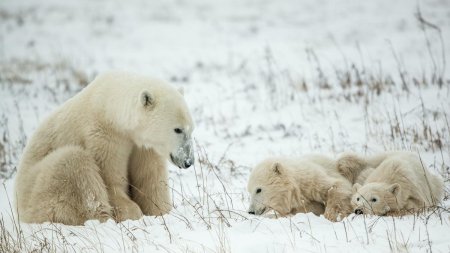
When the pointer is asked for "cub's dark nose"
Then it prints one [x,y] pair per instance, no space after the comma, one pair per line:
[251,212]
[358,211]
[187,164]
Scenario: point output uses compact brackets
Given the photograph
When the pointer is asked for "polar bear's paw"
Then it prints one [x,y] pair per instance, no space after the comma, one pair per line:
[338,205]
[126,210]
[272,214]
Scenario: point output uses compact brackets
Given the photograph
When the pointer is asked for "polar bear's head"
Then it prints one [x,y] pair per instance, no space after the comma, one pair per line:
[164,123]
[271,187]
[375,198]
[153,113]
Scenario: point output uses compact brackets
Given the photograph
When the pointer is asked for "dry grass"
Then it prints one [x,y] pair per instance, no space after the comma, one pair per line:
[354,83]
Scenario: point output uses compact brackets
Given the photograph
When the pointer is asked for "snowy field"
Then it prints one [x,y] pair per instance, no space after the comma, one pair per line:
[261,78]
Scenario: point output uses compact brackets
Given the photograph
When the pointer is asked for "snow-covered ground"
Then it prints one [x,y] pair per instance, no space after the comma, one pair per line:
[261,78]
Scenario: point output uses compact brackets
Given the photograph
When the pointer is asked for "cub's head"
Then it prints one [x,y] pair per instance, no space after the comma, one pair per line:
[270,186]
[162,121]
[375,198]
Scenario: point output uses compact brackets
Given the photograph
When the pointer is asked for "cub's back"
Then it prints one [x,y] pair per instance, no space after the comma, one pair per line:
[62,127]
[313,162]
[406,169]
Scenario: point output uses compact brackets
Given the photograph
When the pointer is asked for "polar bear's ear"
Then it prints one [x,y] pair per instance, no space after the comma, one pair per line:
[356,187]
[146,98]
[394,188]
[181,90]
[277,168]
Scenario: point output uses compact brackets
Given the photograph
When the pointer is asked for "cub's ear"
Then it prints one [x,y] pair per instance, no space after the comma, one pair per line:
[146,99]
[356,187]
[181,90]
[394,188]
[278,169]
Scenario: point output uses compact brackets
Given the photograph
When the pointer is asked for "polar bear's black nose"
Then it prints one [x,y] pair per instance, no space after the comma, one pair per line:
[187,164]
[251,212]
[358,211]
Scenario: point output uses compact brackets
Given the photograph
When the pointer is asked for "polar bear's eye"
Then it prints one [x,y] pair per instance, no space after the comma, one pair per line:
[178,130]
[258,190]
[357,199]
[374,200]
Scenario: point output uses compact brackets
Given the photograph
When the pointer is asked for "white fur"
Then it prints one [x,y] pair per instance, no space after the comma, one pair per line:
[399,182]
[299,185]
[83,159]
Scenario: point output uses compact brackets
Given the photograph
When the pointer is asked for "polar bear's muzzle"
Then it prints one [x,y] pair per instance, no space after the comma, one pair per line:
[186,164]
[183,156]
[259,211]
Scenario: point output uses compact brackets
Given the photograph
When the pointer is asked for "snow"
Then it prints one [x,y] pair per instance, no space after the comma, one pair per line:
[261,78]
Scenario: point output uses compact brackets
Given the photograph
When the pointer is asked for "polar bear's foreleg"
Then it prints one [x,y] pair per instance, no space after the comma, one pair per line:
[335,194]
[148,181]
[112,156]
[338,204]
[68,189]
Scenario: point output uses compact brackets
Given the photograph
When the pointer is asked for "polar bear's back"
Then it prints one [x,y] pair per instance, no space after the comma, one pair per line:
[312,165]
[407,169]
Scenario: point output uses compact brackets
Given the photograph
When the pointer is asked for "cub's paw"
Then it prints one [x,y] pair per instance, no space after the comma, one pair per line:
[272,214]
[338,205]
[336,212]
[332,214]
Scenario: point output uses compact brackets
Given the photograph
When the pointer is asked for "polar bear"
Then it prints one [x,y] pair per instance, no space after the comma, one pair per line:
[103,153]
[299,185]
[356,168]
[399,183]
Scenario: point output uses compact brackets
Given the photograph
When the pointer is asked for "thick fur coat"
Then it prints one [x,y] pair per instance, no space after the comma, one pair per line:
[397,183]
[103,153]
[299,185]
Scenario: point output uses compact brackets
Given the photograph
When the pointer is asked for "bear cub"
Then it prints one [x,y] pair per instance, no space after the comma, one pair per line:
[398,183]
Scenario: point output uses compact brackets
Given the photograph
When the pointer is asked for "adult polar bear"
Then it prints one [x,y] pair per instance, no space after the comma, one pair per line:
[103,153]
